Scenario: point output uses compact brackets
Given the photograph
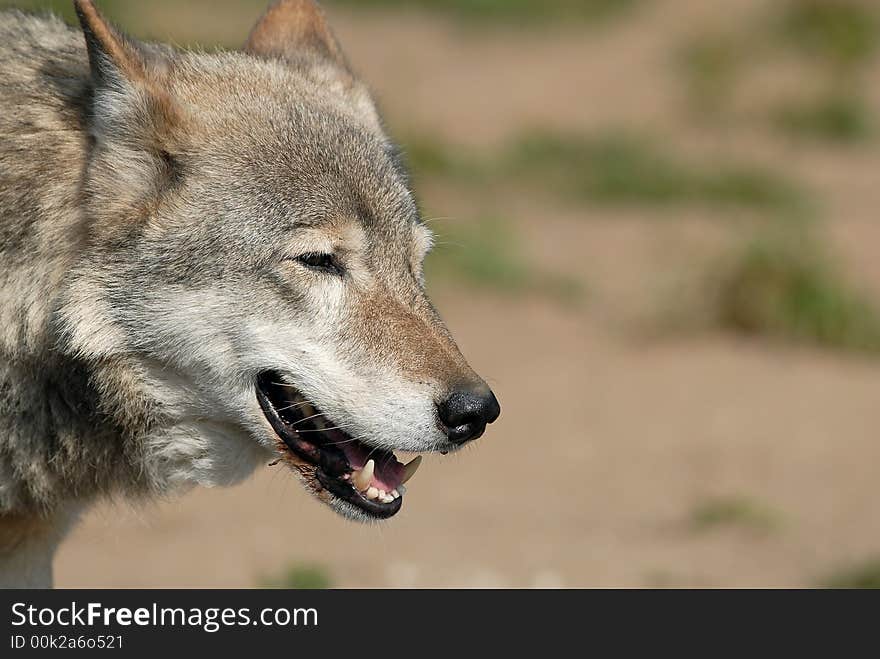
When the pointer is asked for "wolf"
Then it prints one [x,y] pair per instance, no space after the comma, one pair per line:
[208,261]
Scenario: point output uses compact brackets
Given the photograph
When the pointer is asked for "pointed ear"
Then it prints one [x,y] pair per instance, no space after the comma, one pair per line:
[111,55]
[291,29]
[133,119]
[127,77]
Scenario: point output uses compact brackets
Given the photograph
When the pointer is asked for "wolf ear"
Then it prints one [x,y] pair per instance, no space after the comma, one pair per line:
[291,29]
[132,117]
[296,32]
[122,68]
[112,57]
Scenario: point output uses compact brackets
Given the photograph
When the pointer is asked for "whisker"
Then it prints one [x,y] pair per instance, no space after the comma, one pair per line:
[306,419]
[290,407]
[320,429]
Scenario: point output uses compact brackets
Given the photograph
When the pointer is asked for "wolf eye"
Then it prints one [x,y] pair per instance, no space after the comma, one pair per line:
[320,261]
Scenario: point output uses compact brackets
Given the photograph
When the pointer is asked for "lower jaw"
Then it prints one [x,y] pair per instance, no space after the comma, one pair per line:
[344,491]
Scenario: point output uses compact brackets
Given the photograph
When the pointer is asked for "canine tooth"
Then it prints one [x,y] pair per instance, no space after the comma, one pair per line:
[362,478]
[372,493]
[401,489]
[410,469]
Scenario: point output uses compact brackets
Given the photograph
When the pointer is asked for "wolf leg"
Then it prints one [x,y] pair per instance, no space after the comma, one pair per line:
[27,547]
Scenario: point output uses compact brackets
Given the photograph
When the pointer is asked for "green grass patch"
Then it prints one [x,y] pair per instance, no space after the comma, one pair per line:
[610,168]
[838,118]
[733,511]
[426,159]
[301,577]
[862,575]
[522,13]
[488,254]
[711,67]
[620,169]
[844,33]
[62,8]
[785,288]
[209,23]
[510,11]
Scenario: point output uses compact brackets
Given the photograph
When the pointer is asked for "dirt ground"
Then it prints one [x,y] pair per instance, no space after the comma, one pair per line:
[609,440]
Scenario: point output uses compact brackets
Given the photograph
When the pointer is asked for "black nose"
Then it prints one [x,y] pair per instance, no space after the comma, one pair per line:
[466,412]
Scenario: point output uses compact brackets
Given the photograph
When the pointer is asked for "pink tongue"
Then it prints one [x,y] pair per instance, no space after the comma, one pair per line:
[388,472]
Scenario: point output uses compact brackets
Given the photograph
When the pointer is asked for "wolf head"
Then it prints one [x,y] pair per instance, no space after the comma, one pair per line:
[255,255]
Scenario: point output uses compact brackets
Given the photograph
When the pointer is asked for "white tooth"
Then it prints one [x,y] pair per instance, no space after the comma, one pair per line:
[395,493]
[410,469]
[388,499]
[364,477]
[372,493]
[382,495]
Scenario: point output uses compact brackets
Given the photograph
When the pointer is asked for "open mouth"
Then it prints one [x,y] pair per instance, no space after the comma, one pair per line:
[371,479]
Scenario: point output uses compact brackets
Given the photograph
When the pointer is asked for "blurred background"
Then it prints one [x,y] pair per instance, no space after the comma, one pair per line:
[658,239]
